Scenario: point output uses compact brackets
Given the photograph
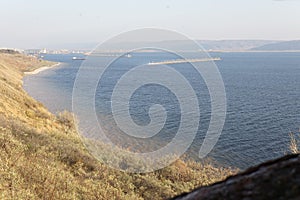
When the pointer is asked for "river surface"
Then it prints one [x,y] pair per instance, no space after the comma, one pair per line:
[262,90]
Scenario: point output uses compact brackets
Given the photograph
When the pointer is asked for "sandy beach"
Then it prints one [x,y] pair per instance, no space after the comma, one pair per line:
[41,69]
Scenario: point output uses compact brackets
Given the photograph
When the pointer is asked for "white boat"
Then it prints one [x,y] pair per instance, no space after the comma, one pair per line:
[76,58]
[128,55]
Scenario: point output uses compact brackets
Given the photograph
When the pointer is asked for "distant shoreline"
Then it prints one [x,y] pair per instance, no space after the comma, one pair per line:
[120,52]
[36,71]
[253,51]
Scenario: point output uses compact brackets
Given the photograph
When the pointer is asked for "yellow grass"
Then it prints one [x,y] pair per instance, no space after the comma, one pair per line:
[41,156]
[293,143]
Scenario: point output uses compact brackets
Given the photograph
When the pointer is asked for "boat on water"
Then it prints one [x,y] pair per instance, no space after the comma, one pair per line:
[77,58]
[128,55]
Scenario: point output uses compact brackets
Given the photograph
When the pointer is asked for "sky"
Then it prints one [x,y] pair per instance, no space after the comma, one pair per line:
[36,23]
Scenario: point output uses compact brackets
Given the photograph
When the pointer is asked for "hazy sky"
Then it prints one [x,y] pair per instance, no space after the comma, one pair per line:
[37,23]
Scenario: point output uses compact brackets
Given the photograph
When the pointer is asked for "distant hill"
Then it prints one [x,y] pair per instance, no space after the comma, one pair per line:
[209,45]
[233,45]
[280,46]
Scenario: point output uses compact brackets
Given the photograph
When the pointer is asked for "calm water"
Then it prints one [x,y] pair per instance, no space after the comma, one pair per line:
[262,91]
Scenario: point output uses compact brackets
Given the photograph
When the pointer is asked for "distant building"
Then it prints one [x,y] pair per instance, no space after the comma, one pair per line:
[32,52]
[44,51]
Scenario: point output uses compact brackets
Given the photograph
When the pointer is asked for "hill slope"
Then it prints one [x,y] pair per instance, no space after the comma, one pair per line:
[212,45]
[277,179]
[280,46]
[41,156]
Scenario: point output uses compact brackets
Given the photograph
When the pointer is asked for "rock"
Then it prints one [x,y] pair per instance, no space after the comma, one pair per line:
[277,179]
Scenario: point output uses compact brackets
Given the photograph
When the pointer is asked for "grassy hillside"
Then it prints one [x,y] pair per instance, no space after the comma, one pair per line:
[41,156]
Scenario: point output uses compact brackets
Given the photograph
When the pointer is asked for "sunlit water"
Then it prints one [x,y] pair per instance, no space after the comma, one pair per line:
[262,89]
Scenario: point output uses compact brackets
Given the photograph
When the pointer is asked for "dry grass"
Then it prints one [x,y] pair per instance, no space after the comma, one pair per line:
[42,157]
[23,63]
[294,143]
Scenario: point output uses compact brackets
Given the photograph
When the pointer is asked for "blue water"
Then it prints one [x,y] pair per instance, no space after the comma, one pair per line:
[262,92]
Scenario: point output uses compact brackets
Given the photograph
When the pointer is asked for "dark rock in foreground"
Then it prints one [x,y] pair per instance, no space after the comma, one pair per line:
[277,179]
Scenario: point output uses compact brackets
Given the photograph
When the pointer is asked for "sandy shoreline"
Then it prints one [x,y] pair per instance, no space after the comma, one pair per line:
[41,69]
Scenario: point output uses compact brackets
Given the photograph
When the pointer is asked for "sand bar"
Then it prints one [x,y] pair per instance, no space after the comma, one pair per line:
[41,69]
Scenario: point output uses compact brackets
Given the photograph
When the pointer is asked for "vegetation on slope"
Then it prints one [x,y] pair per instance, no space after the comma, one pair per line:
[294,143]
[41,156]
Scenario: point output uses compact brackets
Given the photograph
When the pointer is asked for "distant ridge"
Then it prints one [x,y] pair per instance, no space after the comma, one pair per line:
[233,45]
[208,45]
[280,46]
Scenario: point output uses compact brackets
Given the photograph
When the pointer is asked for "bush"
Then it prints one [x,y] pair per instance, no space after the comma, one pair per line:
[66,118]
